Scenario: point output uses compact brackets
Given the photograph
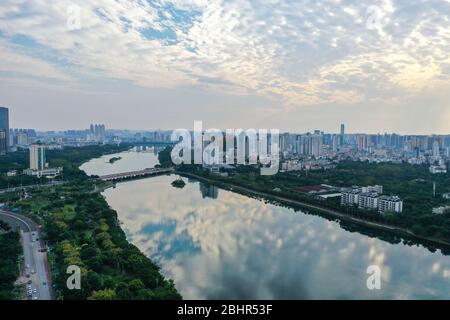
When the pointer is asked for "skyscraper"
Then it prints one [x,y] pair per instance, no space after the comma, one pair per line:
[97,132]
[310,144]
[335,142]
[4,125]
[37,157]
[362,142]
[436,152]
[3,142]
[341,141]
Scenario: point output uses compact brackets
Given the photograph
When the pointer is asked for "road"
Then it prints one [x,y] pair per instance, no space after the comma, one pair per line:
[33,186]
[35,274]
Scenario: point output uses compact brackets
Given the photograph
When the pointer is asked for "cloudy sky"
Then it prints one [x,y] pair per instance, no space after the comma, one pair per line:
[378,65]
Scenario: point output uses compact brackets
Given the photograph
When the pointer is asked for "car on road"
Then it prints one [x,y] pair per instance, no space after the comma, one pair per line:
[29,282]
[32,271]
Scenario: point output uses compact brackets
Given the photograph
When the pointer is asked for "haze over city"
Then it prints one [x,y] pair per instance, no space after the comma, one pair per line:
[377,66]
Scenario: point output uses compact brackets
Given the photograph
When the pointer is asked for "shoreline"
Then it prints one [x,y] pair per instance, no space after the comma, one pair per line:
[342,216]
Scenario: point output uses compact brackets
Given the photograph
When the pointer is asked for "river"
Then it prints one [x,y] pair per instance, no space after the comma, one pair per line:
[216,244]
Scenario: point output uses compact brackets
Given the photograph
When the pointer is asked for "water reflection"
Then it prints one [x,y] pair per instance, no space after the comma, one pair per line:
[225,245]
[209,191]
[135,159]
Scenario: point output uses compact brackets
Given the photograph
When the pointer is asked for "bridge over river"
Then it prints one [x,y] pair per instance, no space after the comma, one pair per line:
[136,174]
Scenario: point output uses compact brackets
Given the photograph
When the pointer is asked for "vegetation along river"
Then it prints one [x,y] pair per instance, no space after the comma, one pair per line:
[216,244]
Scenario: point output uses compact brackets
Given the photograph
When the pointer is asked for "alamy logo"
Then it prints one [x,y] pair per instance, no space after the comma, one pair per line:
[213,147]
[374,280]
[74,280]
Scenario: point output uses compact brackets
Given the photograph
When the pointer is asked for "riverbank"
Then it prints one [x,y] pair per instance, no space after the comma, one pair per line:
[81,229]
[329,212]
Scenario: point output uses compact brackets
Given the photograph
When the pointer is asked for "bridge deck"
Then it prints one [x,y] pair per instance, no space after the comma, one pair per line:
[131,174]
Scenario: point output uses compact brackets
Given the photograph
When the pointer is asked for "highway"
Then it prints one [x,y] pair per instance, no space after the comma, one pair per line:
[33,186]
[35,274]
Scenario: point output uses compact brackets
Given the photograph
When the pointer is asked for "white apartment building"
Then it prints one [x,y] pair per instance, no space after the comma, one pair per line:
[47,172]
[390,204]
[349,197]
[368,200]
[375,188]
[37,157]
[38,165]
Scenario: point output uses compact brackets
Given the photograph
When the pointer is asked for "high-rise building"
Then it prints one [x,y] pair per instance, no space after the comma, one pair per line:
[284,142]
[335,142]
[316,145]
[4,124]
[342,140]
[310,144]
[436,148]
[97,132]
[37,157]
[363,142]
[3,142]
[22,138]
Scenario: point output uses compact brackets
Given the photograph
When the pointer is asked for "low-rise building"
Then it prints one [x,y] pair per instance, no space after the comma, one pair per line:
[390,204]
[441,210]
[438,169]
[375,188]
[368,200]
[349,197]
[11,173]
[46,172]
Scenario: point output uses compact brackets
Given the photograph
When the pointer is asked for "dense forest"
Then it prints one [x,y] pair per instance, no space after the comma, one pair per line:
[81,229]
[10,251]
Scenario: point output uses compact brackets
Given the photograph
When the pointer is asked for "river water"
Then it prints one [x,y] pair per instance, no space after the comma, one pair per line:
[216,244]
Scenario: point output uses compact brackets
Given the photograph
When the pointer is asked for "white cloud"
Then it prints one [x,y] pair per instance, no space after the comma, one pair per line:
[297,52]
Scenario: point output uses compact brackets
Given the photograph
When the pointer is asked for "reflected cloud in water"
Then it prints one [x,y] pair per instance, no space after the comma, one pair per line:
[235,247]
[217,244]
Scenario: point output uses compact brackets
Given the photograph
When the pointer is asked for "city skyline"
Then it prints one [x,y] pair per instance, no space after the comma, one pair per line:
[378,66]
[338,131]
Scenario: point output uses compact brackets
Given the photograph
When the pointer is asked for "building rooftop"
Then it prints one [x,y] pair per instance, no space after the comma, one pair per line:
[391,198]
